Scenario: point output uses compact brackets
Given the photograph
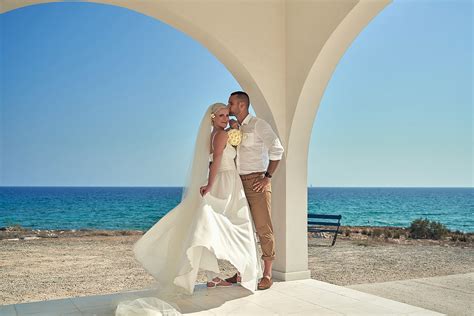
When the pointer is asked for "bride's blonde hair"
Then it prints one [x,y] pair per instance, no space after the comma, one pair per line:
[216,107]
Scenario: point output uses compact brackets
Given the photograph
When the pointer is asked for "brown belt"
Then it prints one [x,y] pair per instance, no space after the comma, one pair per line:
[251,175]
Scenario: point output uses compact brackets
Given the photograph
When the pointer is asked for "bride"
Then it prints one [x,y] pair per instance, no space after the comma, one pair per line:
[212,221]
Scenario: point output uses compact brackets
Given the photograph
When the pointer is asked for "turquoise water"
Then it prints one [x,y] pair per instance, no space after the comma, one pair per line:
[139,208]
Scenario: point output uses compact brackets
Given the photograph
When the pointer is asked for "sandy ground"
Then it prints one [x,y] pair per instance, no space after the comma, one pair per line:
[50,268]
[352,262]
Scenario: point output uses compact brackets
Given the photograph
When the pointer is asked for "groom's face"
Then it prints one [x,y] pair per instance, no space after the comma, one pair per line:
[234,105]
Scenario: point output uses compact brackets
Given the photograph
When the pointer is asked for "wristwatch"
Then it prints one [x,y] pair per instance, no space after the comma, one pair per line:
[267,175]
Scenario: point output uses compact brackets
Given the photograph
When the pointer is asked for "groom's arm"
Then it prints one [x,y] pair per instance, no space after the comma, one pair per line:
[272,165]
[275,152]
[272,143]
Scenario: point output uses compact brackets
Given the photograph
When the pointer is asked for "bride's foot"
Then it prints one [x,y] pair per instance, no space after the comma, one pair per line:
[218,282]
[234,279]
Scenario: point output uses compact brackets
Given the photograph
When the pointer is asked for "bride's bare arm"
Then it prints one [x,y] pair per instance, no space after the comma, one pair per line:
[219,143]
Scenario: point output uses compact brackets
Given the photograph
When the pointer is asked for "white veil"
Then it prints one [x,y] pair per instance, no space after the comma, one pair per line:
[147,252]
[198,170]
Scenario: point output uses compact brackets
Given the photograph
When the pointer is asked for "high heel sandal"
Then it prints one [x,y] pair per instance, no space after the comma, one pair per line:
[219,283]
[234,279]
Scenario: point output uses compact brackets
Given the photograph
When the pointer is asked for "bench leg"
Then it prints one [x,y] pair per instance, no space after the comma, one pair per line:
[335,236]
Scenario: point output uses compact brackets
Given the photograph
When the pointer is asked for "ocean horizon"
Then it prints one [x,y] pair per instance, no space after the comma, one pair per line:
[139,207]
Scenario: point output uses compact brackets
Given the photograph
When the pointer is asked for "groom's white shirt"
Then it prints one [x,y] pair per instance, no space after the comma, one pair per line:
[259,145]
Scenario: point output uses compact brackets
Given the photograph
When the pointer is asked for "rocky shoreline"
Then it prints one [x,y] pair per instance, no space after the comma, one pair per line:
[389,234]
[17,232]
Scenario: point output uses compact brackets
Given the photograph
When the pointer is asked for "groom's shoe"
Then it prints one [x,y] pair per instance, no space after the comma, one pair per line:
[234,279]
[265,283]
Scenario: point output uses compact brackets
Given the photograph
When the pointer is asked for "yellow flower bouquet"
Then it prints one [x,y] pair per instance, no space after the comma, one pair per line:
[235,137]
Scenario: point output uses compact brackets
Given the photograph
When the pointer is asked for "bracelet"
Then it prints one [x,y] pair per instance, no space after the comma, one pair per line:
[267,175]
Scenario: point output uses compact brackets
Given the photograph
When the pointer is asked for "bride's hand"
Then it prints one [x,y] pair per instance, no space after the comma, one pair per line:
[204,189]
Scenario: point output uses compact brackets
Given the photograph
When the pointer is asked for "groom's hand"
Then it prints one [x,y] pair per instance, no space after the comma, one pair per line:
[234,124]
[260,184]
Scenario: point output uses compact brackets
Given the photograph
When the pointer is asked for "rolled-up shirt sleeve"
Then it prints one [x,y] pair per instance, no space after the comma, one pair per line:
[270,139]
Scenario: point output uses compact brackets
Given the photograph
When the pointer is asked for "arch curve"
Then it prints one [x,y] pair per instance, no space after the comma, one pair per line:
[169,16]
[321,71]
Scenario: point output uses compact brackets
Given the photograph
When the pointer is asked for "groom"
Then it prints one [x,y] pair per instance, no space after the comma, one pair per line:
[258,156]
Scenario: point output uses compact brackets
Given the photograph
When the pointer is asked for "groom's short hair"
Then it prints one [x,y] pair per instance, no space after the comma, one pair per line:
[242,96]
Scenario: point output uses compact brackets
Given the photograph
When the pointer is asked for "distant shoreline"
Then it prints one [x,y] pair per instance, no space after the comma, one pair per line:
[374,233]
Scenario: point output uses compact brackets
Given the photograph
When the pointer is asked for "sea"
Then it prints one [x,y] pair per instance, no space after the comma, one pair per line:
[138,208]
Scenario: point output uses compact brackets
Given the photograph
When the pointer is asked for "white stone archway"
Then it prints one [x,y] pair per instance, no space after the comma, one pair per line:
[283,53]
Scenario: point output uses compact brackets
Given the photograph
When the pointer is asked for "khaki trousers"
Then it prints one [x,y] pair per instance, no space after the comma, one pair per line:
[260,207]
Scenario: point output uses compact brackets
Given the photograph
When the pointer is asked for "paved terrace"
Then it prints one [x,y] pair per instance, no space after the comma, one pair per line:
[303,297]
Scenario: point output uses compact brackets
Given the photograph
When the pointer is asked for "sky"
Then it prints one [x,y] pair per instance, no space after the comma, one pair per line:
[97,95]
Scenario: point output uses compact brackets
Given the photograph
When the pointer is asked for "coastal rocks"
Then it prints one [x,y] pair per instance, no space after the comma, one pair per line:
[320,235]
[20,233]
[13,228]
[31,238]
[23,238]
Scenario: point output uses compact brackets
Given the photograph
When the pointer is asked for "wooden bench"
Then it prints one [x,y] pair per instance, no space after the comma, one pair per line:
[330,224]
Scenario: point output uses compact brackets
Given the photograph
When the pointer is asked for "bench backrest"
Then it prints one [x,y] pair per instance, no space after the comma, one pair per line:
[316,221]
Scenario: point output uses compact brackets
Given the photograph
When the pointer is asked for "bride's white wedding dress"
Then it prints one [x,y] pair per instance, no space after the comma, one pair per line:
[197,232]
[193,237]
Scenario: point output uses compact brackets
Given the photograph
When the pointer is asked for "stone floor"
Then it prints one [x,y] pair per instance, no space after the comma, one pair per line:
[303,297]
[449,294]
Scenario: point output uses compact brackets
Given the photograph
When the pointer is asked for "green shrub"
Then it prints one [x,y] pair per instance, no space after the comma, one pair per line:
[377,232]
[15,227]
[397,234]
[426,229]
[459,236]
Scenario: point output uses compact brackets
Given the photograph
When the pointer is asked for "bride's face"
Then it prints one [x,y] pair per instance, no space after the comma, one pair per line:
[222,118]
